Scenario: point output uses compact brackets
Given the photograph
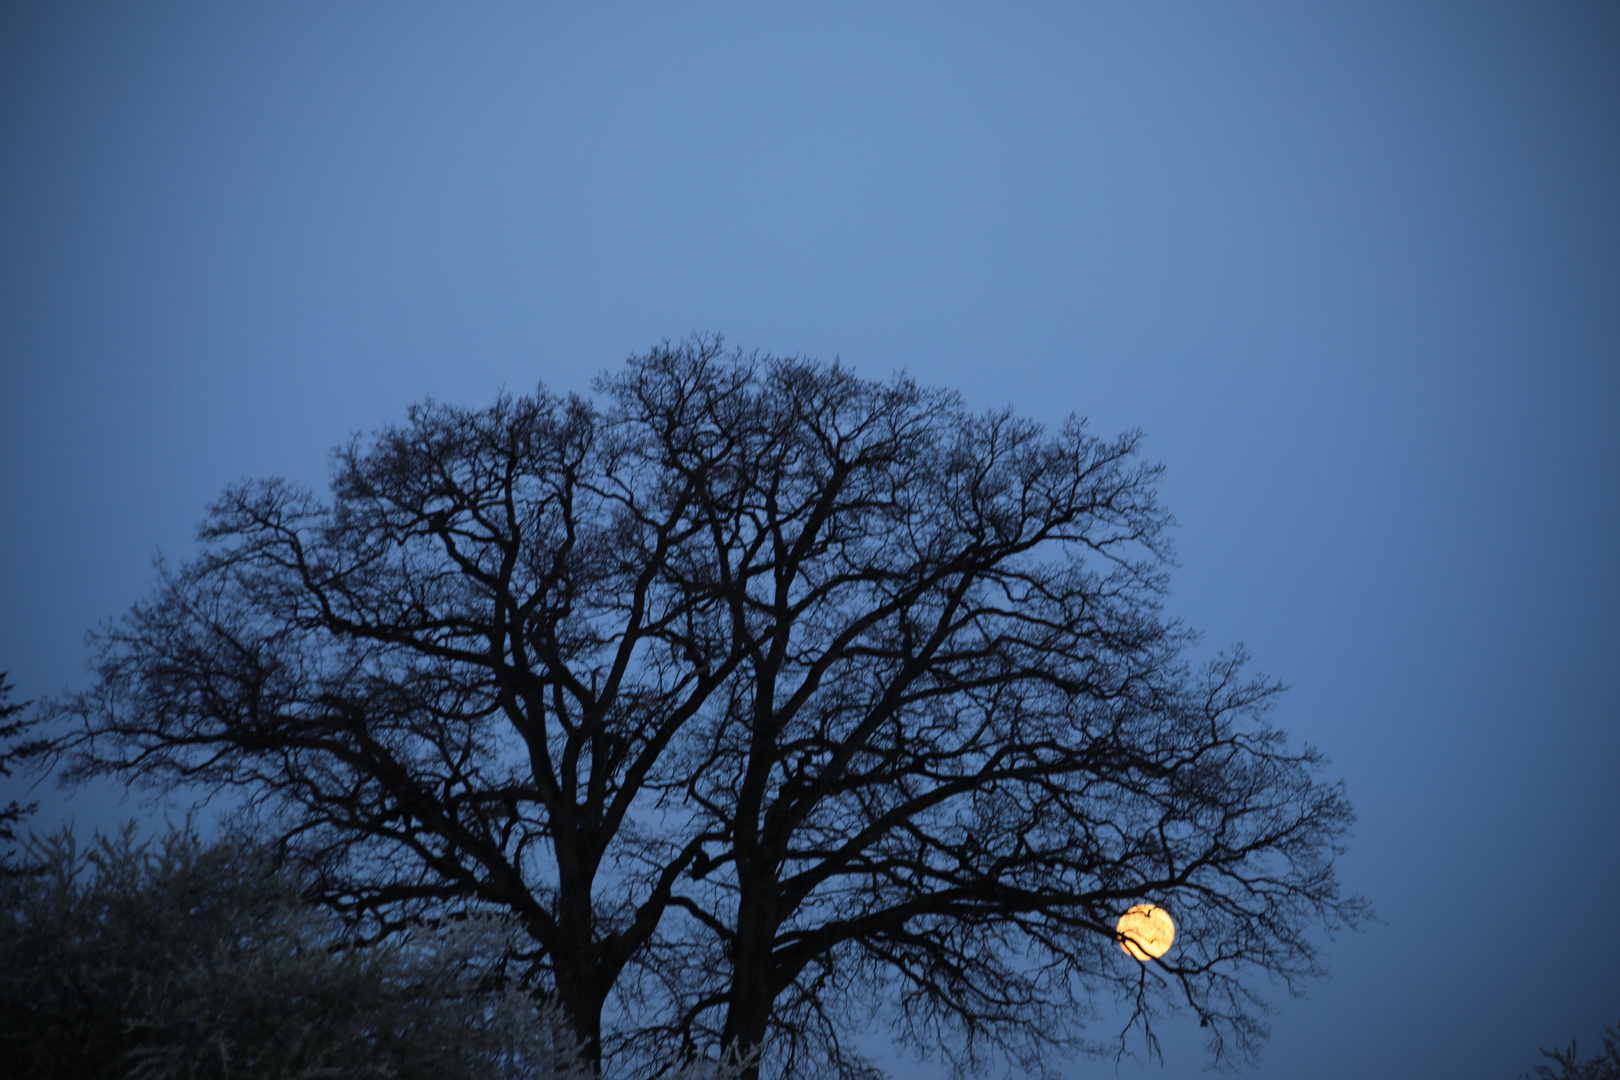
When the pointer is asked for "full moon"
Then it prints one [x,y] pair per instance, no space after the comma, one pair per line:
[1145,932]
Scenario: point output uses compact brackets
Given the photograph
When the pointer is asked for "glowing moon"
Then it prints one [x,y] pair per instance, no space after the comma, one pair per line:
[1145,932]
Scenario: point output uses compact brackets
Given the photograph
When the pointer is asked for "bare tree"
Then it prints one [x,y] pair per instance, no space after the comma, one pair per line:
[453,680]
[755,692]
[962,739]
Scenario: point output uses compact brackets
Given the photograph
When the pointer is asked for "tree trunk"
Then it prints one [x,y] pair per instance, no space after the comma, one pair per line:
[582,1003]
[753,984]
[747,1016]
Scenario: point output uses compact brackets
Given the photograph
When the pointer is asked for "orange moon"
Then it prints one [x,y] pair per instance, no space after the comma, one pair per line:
[1145,932]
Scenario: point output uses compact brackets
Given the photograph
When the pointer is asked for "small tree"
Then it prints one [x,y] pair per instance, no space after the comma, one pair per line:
[1603,1065]
[179,959]
[756,691]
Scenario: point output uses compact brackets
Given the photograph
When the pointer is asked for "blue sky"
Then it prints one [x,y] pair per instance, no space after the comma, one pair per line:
[1354,267]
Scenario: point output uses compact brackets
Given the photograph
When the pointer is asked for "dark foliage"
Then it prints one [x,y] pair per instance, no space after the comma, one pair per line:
[179,959]
[757,694]
[17,746]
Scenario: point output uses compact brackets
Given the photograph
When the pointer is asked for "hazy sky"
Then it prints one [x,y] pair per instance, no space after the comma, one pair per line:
[1354,267]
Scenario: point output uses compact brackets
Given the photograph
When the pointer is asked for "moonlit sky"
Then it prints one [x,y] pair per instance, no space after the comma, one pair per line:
[1354,268]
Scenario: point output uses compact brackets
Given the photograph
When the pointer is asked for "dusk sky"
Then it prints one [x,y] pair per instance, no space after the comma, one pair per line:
[1353,267]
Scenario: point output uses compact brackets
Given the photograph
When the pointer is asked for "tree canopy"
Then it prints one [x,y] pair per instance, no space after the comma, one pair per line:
[754,692]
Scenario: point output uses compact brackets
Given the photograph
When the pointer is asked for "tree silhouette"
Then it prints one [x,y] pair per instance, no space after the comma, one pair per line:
[754,693]
[1602,1065]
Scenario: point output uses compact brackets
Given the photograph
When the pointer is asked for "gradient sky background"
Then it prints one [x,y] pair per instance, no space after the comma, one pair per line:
[1354,267]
